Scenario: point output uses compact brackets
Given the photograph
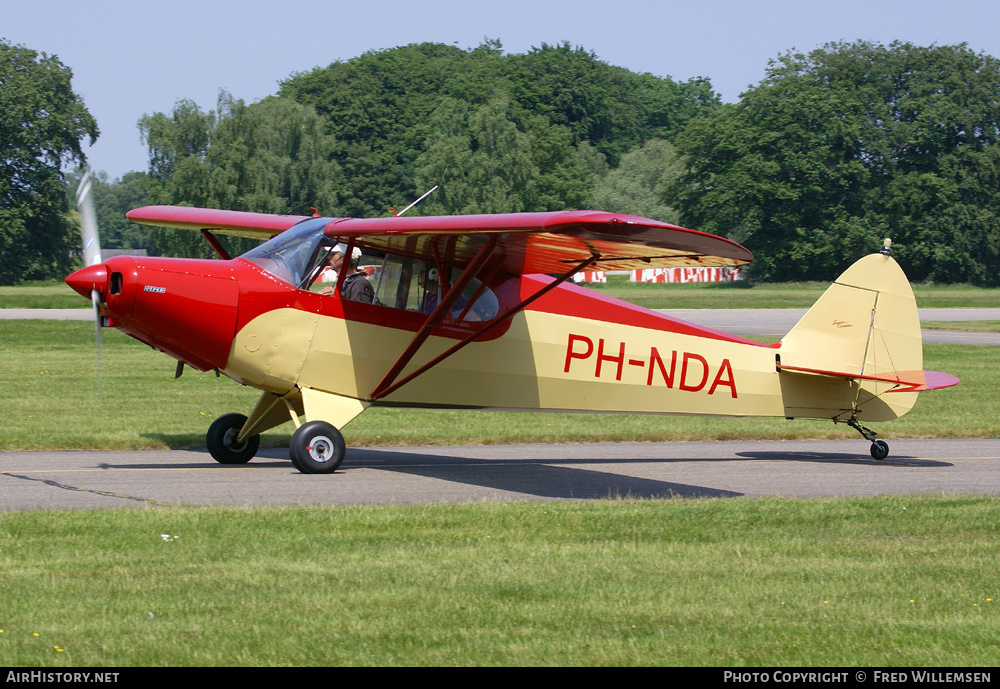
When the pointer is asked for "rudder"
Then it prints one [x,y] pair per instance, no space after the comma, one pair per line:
[864,334]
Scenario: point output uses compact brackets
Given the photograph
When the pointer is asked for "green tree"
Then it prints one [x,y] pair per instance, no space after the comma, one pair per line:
[610,107]
[42,126]
[479,157]
[638,185]
[184,134]
[178,174]
[851,143]
[379,106]
[270,157]
[112,200]
[385,110]
[564,178]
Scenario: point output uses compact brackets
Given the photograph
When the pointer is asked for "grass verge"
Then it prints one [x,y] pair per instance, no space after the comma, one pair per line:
[40,294]
[781,295]
[967,326]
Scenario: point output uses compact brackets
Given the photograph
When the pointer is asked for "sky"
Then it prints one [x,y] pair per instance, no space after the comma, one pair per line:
[133,58]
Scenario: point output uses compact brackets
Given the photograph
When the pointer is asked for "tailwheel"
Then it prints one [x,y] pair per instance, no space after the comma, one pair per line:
[880,449]
[317,448]
[221,440]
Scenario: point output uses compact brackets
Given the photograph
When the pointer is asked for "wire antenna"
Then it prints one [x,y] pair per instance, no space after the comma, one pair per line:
[426,194]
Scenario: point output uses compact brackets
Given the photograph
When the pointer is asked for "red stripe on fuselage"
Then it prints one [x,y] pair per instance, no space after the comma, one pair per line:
[582,302]
[261,292]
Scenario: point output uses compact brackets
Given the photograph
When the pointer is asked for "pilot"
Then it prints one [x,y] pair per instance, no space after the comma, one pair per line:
[356,286]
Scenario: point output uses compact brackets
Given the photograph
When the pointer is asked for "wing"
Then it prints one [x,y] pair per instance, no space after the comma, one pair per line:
[545,242]
[551,242]
[237,223]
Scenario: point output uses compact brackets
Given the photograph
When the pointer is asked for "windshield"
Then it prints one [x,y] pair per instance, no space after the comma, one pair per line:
[294,255]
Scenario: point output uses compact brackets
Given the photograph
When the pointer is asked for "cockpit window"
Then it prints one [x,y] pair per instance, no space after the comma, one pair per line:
[298,257]
[294,255]
[416,285]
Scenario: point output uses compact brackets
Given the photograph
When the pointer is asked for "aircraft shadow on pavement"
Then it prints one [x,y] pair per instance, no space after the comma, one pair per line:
[540,477]
[546,477]
[200,458]
[844,458]
[278,457]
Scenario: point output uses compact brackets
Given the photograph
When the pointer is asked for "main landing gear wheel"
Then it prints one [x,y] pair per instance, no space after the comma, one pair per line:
[317,448]
[221,440]
[880,449]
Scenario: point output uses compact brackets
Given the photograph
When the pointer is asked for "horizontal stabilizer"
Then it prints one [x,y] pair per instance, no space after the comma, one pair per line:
[906,381]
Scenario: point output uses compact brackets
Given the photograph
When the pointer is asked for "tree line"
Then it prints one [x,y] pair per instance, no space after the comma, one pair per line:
[831,152]
[42,127]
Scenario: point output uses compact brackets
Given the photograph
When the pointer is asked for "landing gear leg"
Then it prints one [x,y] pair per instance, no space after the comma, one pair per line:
[880,448]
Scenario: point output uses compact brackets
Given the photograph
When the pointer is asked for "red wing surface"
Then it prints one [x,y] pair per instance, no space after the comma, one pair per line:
[545,242]
[551,242]
[238,223]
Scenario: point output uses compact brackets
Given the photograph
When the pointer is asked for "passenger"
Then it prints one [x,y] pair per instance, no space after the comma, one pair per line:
[432,289]
[429,281]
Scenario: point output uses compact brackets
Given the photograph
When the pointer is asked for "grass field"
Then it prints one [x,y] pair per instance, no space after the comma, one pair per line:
[761,295]
[48,294]
[876,582]
[58,396]
[869,582]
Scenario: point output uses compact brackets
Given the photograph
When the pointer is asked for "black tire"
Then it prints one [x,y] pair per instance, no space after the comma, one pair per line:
[221,440]
[880,449]
[317,448]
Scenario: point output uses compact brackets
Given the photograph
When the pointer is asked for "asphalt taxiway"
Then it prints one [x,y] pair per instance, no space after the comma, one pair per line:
[731,469]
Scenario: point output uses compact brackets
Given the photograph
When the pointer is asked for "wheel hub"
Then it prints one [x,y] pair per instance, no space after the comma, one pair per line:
[229,440]
[320,449]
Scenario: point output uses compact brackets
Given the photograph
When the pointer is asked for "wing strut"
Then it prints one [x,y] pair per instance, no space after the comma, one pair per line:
[219,249]
[438,315]
[386,386]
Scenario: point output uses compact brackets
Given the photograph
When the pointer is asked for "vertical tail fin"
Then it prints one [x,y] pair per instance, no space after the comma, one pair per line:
[863,337]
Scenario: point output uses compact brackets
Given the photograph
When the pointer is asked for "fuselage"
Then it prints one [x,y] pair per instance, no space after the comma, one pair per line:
[572,349]
[259,320]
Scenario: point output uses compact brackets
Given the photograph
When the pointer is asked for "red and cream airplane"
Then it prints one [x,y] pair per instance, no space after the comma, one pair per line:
[479,312]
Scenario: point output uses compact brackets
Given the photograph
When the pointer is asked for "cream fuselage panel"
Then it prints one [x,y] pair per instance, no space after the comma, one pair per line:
[543,361]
